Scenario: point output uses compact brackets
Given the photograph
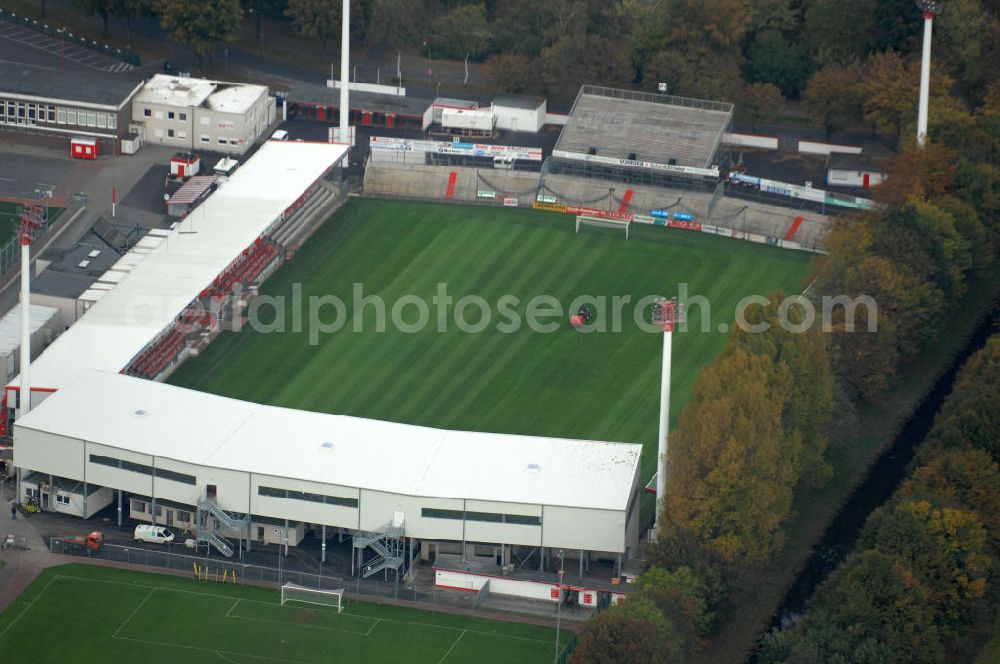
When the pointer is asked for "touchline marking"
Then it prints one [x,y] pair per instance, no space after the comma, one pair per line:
[134,611]
[211,650]
[452,646]
[30,604]
[219,653]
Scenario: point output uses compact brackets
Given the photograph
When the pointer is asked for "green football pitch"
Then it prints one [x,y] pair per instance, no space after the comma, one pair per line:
[80,613]
[596,386]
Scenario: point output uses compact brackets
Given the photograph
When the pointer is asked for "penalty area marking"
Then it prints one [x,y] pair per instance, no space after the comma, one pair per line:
[255,601]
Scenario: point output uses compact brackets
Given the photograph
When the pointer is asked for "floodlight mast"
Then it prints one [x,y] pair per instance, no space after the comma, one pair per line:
[30,223]
[930,9]
[667,313]
[345,58]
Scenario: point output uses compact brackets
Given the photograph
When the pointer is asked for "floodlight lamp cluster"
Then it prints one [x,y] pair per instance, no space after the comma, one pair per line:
[668,313]
[29,222]
[930,8]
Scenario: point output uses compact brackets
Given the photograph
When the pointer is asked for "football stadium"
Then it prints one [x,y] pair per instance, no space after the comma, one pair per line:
[452,379]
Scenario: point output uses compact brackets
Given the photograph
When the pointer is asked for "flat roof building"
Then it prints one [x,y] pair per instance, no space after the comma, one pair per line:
[61,105]
[195,113]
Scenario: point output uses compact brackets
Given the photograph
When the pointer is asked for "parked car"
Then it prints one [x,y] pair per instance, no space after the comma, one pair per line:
[153,534]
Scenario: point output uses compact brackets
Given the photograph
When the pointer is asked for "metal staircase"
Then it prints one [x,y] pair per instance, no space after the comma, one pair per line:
[211,520]
[388,544]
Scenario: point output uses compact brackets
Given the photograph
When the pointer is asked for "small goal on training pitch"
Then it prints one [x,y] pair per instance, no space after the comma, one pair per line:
[291,592]
[603,222]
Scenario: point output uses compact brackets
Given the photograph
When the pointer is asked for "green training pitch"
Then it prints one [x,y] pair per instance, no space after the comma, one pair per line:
[97,614]
[597,386]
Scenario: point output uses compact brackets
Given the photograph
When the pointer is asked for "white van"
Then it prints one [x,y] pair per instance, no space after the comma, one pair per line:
[279,135]
[154,534]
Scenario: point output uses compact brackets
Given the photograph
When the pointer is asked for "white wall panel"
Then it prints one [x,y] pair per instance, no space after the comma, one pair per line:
[48,453]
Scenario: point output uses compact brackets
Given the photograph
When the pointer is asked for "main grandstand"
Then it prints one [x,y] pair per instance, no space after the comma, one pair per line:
[639,137]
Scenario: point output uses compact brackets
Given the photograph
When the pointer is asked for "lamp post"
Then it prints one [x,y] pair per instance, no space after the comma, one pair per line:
[930,9]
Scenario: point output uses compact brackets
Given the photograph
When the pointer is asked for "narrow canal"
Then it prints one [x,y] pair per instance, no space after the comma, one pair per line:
[883,479]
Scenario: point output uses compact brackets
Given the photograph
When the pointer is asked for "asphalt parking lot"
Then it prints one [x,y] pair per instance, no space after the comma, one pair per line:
[28,46]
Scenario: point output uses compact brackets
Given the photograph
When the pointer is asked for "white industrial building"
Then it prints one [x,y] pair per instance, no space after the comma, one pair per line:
[855,170]
[200,114]
[262,473]
[514,113]
[183,446]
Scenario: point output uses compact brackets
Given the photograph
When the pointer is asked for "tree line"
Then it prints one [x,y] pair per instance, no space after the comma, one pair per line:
[918,583]
[851,64]
[760,417]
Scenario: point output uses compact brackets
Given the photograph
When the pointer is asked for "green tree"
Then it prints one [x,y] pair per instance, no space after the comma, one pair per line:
[694,74]
[464,31]
[682,597]
[837,32]
[715,26]
[788,343]
[834,96]
[970,415]
[258,9]
[520,27]
[771,58]
[963,30]
[396,23]
[961,478]
[896,25]
[896,314]
[634,632]
[319,19]
[129,10]
[201,25]
[773,15]
[510,72]
[891,90]
[759,103]
[943,548]
[732,466]
[590,59]
[100,7]
[924,239]
[871,609]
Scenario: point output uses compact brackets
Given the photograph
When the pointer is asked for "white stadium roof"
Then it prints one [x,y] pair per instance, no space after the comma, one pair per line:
[190,257]
[10,325]
[204,429]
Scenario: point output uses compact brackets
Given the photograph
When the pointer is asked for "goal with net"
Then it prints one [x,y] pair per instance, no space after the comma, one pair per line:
[603,222]
[291,592]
